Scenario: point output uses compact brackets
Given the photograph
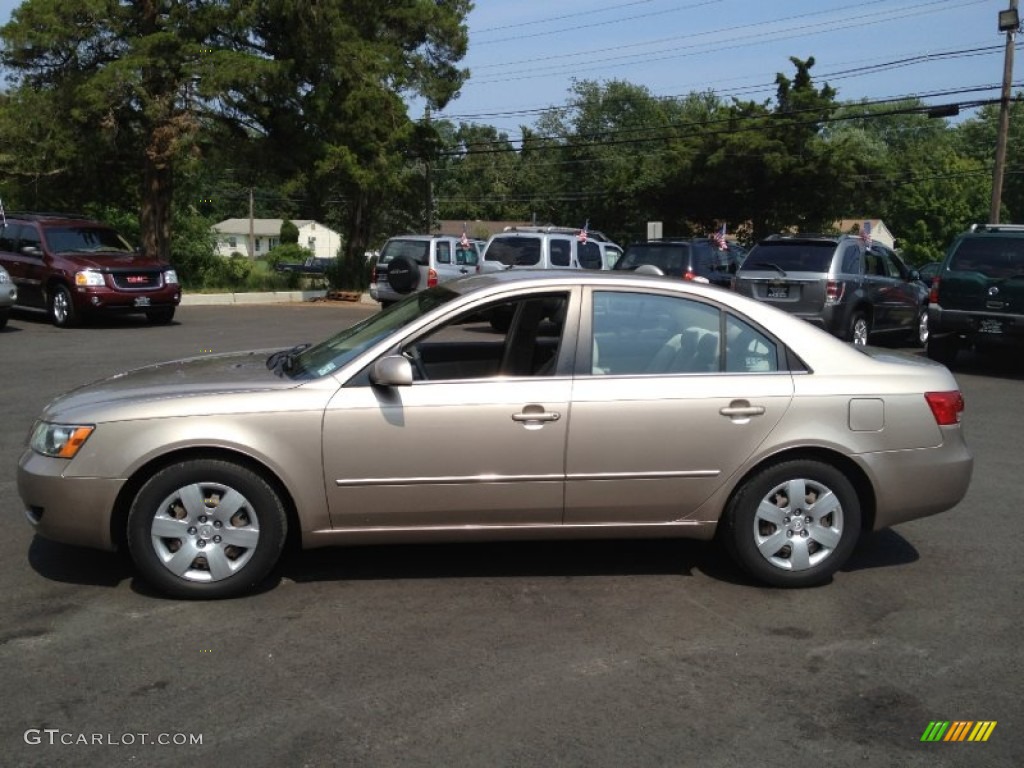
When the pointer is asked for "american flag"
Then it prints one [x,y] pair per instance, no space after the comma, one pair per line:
[3,216]
[464,240]
[865,233]
[582,235]
[719,239]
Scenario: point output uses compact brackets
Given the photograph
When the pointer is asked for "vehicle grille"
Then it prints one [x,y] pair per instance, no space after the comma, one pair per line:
[136,281]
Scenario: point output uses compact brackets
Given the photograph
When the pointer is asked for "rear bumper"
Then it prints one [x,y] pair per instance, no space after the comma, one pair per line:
[919,482]
[984,327]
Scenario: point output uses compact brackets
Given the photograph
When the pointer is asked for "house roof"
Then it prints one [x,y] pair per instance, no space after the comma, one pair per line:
[260,227]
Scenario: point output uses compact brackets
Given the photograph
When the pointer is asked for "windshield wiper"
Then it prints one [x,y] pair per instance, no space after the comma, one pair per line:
[776,267]
[281,362]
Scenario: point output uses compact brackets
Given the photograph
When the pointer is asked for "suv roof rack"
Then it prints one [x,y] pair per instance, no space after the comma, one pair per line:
[594,234]
[997,227]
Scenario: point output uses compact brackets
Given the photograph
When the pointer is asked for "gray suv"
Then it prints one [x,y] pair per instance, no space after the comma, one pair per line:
[851,288]
[410,263]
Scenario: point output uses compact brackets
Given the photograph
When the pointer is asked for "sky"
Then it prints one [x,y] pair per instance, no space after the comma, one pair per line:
[525,54]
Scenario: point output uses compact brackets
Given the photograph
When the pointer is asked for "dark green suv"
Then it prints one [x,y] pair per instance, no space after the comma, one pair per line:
[977,297]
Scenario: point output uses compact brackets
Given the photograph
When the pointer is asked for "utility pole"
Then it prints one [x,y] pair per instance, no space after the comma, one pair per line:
[252,229]
[429,202]
[1009,22]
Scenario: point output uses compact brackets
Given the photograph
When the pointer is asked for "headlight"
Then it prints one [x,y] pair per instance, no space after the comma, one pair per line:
[88,277]
[4,277]
[170,277]
[61,441]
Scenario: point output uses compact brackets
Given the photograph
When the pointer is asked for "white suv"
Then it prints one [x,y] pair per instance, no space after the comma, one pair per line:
[411,263]
[549,248]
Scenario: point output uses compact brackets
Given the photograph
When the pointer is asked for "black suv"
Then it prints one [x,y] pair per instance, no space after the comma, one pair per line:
[71,266]
[694,258]
[977,297]
[852,288]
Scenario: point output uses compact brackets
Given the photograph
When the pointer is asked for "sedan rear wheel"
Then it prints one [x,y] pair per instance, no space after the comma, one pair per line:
[206,529]
[794,524]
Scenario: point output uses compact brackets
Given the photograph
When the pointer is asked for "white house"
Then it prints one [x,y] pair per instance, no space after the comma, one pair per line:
[233,237]
[879,232]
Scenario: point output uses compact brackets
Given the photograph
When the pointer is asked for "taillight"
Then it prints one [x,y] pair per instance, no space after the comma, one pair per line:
[431,278]
[834,290]
[933,294]
[946,406]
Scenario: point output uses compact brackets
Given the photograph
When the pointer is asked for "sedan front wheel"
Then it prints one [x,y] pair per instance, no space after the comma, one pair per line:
[794,524]
[206,529]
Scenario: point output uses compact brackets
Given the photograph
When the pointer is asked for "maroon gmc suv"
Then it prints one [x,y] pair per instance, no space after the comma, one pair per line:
[71,266]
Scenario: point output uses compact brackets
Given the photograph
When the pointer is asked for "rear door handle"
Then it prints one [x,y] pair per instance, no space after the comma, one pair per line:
[741,409]
[545,416]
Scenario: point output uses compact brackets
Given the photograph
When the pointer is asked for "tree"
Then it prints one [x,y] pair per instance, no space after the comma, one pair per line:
[289,232]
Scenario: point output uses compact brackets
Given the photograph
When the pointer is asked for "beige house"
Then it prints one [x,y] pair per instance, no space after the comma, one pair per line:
[879,232]
[233,237]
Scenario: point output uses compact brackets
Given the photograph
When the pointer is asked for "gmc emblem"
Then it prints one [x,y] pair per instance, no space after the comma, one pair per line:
[136,279]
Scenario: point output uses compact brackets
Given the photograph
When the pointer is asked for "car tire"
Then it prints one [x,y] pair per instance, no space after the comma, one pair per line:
[919,334]
[943,349]
[4,314]
[403,274]
[788,544]
[160,315]
[185,545]
[62,307]
[859,329]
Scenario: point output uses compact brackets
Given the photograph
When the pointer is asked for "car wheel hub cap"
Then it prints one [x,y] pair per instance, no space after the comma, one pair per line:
[798,524]
[205,532]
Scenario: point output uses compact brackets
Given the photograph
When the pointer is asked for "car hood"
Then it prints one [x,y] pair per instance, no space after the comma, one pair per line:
[114,260]
[229,374]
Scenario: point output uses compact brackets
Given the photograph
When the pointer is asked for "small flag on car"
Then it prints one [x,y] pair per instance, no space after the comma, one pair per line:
[464,240]
[582,235]
[719,239]
[865,233]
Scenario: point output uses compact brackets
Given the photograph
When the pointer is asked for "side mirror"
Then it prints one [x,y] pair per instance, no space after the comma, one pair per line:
[32,250]
[392,371]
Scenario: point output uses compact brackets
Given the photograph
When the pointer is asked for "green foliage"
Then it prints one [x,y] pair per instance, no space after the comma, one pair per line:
[289,233]
[286,253]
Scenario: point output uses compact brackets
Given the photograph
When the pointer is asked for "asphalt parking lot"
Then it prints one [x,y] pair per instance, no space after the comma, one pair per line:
[538,654]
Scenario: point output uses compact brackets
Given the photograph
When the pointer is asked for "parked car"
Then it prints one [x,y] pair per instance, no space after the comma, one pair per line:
[927,272]
[549,247]
[413,262]
[852,289]
[693,258]
[314,265]
[71,267]
[639,406]
[8,296]
[977,297]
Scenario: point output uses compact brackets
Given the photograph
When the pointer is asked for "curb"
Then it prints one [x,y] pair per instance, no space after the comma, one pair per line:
[265,297]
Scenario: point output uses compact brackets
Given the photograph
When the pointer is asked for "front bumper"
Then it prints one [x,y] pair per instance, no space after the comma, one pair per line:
[104,299]
[71,510]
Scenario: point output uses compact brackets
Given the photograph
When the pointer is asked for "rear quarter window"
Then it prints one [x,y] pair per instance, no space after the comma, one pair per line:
[514,251]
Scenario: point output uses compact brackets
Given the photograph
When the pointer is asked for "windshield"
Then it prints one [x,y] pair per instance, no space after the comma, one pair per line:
[669,258]
[84,240]
[330,355]
[791,257]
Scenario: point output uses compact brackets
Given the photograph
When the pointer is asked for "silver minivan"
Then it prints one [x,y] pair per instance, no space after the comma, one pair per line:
[410,263]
